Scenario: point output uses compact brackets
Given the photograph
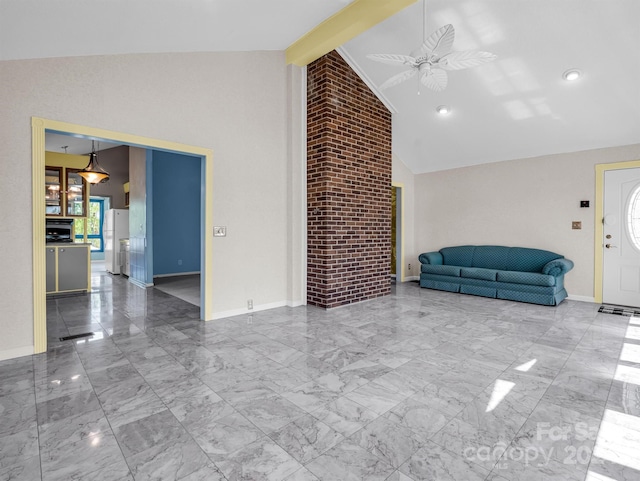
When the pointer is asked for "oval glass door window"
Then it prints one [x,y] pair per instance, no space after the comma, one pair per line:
[634,218]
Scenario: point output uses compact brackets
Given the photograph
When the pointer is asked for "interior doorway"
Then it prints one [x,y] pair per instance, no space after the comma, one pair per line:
[397,251]
[39,127]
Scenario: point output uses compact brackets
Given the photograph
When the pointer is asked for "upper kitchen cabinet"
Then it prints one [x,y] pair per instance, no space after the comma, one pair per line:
[76,194]
[66,193]
[53,190]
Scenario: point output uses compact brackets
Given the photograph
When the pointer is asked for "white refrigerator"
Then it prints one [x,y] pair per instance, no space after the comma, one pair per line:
[116,227]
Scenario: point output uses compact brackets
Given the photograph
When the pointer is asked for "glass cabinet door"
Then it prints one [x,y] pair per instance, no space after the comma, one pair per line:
[53,188]
[76,194]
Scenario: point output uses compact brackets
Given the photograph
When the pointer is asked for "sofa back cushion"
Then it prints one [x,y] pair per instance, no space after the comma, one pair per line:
[521,259]
[490,257]
[461,256]
[529,260]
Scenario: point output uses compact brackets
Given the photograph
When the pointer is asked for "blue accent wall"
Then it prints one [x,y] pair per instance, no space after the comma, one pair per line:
[176,180]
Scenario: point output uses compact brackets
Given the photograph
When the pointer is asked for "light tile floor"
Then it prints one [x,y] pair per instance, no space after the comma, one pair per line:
[419,385]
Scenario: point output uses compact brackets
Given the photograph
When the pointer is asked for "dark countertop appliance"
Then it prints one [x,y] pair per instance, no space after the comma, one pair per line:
[59,230]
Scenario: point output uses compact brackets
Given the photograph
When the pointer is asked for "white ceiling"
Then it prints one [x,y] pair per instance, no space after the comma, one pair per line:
[516,107]
[71,144]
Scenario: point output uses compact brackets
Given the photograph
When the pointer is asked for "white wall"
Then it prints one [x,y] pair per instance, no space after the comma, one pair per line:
[234,103]
[526,202]
[402,175]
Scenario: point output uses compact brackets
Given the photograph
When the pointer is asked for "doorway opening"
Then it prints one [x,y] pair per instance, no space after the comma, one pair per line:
[397,237]
[39,127]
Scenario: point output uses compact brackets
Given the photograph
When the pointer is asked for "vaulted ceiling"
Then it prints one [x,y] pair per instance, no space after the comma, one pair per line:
[518,106]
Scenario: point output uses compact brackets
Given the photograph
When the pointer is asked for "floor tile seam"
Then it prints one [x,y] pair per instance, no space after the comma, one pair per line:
[461,456]
[363,407]
[395,468]
[275,441]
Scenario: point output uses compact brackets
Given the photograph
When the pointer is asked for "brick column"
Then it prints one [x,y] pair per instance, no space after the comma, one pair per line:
[348,185]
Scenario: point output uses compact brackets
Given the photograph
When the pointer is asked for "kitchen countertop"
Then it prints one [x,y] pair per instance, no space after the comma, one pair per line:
[67,244]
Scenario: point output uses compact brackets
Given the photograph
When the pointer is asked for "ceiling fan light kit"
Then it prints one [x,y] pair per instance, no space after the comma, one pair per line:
[432,59]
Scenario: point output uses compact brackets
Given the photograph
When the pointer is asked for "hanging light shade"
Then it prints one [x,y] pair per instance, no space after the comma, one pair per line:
[93,173]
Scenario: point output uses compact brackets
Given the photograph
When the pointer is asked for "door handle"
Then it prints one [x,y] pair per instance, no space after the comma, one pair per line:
[609,246]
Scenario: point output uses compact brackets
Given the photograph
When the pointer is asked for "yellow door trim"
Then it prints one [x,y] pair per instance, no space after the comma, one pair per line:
[338,29]
[38,128]
[599,215]
[400,199]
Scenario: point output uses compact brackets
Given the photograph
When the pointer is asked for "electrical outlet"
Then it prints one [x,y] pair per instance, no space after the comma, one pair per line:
[409,266]
[576,225]
[220,231]
[250,304]
[179,262]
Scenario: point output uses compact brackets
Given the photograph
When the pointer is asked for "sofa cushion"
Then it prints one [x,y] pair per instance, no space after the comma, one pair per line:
[490,257]
[528,260]
[461,256]
[479,273]
[441,270]
[529,278]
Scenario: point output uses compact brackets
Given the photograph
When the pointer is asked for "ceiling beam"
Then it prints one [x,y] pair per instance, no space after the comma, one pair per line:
[351,21]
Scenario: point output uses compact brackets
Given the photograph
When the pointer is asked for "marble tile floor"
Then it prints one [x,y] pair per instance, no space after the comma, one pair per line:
[185,287]
[419,385]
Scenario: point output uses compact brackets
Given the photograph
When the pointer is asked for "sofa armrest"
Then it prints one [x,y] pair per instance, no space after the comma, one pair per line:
[433,258]
[557,267]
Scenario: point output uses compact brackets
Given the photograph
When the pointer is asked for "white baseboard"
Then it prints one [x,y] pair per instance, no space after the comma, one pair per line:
[411,278]
[296,303]
[581,298]
[256,308]
[177,274]
[16,352]
[136,282]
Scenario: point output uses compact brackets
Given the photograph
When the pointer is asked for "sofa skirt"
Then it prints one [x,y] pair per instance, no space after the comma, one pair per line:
[544,295]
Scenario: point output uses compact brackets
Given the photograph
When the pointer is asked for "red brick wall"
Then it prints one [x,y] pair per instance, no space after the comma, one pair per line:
[348,187]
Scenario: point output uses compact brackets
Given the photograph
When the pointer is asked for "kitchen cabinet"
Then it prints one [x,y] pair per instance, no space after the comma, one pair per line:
[67,268]
[75,194]
[66,193]
[53,188]
[51,268]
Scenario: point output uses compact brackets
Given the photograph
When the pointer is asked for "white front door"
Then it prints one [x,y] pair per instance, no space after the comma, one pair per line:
[621,242]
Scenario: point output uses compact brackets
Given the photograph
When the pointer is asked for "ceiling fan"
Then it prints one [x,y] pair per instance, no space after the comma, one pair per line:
[432,59]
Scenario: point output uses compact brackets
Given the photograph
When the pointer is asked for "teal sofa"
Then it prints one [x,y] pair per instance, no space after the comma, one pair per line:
[512,273]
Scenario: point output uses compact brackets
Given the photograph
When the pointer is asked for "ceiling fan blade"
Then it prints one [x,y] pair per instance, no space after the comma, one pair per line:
[435,79]
[440,41]
[399,78]
[392,59]
[466,59]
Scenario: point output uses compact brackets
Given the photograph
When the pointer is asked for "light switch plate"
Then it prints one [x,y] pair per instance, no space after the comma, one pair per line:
[576,225]
[219,231]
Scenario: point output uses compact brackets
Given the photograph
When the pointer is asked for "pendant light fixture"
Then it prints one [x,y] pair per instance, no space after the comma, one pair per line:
[93,173]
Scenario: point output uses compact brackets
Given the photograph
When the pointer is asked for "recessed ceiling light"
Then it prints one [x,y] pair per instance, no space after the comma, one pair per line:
[572,74]
[443,109]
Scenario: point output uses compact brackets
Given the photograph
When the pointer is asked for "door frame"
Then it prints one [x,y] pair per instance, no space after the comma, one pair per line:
[38,128]
[399,188]
[599,227]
